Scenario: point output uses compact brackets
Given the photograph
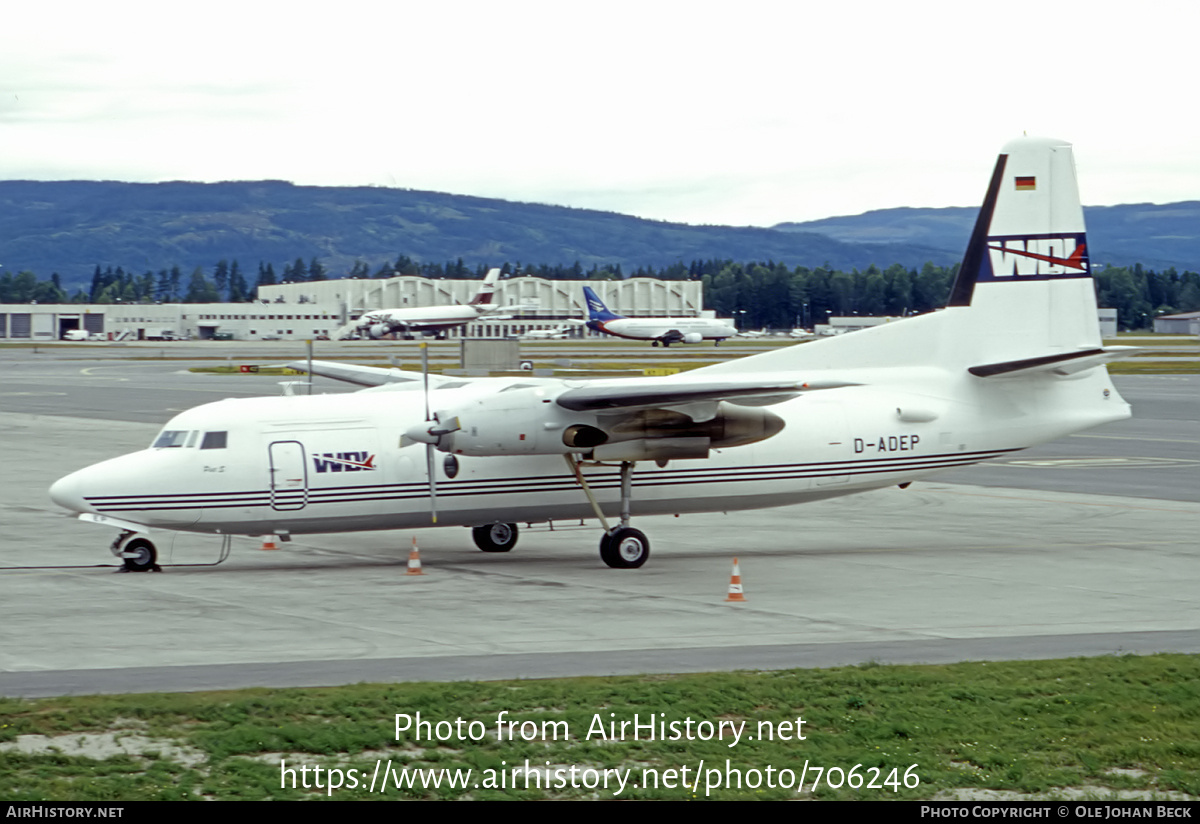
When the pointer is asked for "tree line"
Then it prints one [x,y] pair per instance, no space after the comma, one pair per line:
[756,294]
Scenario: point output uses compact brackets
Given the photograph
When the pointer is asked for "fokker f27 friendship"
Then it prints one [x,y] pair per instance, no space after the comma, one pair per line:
[426,320]
[1014,359]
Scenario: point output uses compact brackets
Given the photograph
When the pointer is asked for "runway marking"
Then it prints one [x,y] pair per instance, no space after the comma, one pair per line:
[1087,463]
[1047,500]
[1130,438]
[88,372]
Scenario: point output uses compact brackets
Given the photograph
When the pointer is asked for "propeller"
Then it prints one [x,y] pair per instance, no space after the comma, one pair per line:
[429,433]
[430,446]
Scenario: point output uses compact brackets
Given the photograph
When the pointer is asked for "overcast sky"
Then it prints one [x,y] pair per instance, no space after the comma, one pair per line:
[741,113]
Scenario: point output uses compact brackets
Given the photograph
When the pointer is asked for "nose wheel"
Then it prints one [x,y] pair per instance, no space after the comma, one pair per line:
[140,556]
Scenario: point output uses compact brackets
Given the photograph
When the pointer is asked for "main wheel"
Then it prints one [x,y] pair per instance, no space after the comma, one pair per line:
[495,537]
[624,548]
[141,555]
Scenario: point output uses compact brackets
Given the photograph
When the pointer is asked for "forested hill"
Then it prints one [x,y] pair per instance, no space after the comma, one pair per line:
[1158,236]
[71,227]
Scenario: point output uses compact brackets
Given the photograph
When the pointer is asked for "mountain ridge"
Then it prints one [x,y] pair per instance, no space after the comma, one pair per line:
[70,227]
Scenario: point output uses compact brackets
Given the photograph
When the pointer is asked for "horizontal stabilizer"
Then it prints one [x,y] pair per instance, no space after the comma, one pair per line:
[655,394]
[1063,363]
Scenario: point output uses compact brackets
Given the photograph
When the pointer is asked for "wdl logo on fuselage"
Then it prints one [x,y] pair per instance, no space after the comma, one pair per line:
[343,462]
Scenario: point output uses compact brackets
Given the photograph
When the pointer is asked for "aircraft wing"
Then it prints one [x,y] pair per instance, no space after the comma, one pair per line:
[750,392]
[359,375]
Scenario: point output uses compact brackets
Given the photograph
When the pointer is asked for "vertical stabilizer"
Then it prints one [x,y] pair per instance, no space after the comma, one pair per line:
[1023,294]
[597,311]
[484,296]
[1026,274]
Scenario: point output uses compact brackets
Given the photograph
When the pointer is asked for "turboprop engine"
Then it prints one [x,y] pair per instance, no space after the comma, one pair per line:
[527,421]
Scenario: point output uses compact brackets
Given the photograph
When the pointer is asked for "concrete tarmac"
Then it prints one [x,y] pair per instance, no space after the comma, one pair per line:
[938,572]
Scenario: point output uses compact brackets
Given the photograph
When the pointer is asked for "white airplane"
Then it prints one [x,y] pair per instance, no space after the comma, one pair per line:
[1015,359]
[557,333]
[425,320]
[656,330]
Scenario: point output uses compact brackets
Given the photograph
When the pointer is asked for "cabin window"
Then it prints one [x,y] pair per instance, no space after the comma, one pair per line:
[213,440]
[171,438]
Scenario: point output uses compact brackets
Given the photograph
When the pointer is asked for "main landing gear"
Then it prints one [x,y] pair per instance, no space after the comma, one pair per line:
[139,554]
[622,547]
[495,537]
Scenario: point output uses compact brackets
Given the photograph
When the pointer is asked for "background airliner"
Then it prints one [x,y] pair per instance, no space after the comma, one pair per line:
[426,320]
[1013,360]
[656,330]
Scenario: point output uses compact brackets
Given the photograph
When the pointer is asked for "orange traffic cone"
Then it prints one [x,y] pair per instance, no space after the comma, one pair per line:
[414,560]
[269,542]
[735,584]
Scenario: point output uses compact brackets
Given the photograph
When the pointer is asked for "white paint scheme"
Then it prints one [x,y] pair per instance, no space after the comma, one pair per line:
[1014,361]
[427,320]
[656,330]
[558,333]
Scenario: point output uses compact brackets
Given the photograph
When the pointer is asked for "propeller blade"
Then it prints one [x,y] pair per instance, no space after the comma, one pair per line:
[429,456]
[430,445]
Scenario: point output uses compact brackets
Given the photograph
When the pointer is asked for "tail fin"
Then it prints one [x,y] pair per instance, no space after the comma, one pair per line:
[1024,296]
[597,311]
[484,296]
[1026,270]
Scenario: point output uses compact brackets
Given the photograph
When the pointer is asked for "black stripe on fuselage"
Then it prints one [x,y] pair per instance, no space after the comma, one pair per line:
[538,483]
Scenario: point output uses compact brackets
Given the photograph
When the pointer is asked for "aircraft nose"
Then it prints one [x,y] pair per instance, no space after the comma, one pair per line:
[67,493]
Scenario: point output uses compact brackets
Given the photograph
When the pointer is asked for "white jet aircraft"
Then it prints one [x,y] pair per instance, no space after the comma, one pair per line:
[656,330]
[558,333]
[1015,359]
[426,320]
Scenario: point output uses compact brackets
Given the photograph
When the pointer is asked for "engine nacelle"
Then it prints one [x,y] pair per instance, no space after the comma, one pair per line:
[378,330]
[693,337]
[527,421]
[517,422]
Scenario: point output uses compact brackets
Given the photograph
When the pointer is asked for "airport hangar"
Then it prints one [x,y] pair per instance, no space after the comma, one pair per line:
[296,311]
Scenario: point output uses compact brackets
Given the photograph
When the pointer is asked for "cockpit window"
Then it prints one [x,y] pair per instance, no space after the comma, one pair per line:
[213,440]
[171,438]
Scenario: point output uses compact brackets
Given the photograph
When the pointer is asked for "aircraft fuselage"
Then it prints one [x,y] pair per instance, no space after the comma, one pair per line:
[335,463]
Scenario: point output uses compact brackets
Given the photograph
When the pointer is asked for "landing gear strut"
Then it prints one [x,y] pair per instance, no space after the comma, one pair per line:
[622,547]
[495,537]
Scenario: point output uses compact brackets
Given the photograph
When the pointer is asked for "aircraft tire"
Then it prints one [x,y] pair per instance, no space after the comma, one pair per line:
[145,556]
[495,537]
[624,548]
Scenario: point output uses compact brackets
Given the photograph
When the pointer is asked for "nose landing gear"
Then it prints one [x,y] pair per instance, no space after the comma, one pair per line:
[139,554]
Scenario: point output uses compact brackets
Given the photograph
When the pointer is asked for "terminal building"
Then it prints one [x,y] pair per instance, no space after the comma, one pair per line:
[296,311]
